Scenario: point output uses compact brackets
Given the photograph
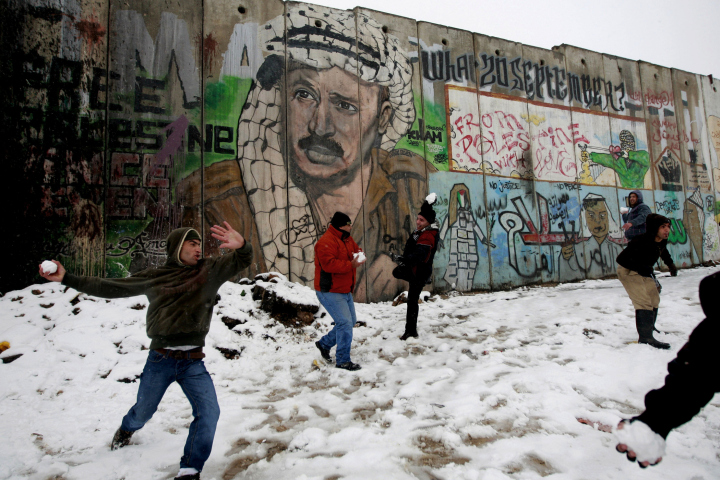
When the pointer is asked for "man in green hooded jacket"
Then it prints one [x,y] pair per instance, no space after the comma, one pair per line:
[182,296]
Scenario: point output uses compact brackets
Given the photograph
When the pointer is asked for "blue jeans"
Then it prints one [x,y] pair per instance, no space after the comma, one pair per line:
[341,308]
[159,372]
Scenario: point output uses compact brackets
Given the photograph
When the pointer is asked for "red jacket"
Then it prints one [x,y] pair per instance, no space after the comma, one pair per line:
[333,256]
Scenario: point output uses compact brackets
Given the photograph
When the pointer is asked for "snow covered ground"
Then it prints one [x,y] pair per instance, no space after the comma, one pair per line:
[493,389]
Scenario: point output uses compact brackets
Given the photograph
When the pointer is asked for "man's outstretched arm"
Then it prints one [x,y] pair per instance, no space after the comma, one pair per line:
[98,287]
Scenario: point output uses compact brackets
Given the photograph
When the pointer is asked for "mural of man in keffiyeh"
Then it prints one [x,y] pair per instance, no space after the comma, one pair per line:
[317,135]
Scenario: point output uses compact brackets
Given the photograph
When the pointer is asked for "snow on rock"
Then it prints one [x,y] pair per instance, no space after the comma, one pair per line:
[288,302]
[402,298]
[437,407]
[48,267]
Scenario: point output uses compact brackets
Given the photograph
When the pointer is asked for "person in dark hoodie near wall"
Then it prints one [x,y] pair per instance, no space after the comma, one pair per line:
[635,272]
[635,218]
[337,256]
[182,296]
[689,386]
[415,264]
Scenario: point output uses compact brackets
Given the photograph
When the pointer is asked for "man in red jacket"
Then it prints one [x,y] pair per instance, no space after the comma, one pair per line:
[336,258]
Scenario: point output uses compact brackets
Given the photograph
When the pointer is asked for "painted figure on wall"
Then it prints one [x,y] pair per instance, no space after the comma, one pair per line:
[630,165]
[465,233]
[596,254]
[334,151]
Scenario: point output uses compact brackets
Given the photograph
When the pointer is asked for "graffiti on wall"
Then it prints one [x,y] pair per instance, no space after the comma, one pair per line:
[311,110]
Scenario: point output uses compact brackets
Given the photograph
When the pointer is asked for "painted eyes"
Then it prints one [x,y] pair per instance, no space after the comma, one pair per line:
[304,94]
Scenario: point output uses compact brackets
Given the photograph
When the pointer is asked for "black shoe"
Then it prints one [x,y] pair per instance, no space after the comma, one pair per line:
[407,335]
[349,366]
[324,352]
[645,322]
[120,439]
[194,476]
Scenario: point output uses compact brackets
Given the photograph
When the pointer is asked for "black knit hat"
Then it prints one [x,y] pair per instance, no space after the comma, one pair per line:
[192,235]
[340,220]
[654,221]
[426,211]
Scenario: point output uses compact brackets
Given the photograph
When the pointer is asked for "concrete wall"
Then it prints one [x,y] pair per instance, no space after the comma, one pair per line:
[125,120]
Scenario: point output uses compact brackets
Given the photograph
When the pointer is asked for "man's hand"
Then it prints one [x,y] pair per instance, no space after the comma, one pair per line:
[638,442]
[54,277]
[358,260]
[228,235]
[627,225]
[673,270]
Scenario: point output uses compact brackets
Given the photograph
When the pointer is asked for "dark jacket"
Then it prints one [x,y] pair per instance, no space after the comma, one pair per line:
[333,257]
[692,378]
[181,297]
[417,258]
[637,217]
[643,251]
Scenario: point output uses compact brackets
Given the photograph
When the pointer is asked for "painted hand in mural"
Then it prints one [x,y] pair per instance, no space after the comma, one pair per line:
[568,251]
[53,277]
[228,235]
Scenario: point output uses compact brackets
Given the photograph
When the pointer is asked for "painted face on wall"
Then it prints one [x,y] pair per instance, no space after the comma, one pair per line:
[327,135]
[596,216]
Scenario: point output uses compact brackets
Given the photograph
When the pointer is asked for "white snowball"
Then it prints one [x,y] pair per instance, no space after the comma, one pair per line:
[647,445]
[624,210]
[360,257]
[431,198]
[49,267]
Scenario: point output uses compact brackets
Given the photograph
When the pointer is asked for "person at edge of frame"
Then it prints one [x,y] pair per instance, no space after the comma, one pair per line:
[687,389]
[337,256]
[415,264]
[182,296]
[635,272]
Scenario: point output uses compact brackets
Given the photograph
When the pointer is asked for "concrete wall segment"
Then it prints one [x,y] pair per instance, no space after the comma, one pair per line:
[133,118]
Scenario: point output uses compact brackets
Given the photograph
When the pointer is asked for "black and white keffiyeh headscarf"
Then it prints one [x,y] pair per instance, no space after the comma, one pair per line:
[320,38]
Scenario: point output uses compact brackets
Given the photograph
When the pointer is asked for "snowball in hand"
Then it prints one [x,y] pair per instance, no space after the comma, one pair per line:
[647,445]
[48,267]
[360,256]
[624,210]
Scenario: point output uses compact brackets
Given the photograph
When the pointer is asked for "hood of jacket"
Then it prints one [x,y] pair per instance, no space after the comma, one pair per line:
[653,223]
[174,244]
[640,198]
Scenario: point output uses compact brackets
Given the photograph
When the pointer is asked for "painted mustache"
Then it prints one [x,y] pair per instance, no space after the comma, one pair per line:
[321,150]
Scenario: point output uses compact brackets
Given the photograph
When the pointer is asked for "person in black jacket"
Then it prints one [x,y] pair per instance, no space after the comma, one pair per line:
[415,264]
[689,386]
[635,271]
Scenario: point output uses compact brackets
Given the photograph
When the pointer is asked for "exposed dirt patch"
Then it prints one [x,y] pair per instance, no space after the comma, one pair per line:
[436,454]
[265,450]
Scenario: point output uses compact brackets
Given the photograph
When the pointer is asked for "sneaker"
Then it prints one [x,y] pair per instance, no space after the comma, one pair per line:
[348,366]
[324,352]
[120,439]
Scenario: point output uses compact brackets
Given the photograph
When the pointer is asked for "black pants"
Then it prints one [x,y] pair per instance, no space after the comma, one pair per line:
[412,307]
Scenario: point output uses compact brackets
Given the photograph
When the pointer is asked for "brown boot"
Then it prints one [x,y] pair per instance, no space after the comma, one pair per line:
[120,439]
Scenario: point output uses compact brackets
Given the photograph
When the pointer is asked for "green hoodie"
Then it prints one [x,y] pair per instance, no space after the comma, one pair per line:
[181,297]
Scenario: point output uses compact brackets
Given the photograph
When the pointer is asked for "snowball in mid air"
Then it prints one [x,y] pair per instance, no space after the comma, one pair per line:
[431,198]
[48,267]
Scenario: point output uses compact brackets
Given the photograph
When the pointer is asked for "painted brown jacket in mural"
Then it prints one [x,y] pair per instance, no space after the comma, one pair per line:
[181,297]
[394,195]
